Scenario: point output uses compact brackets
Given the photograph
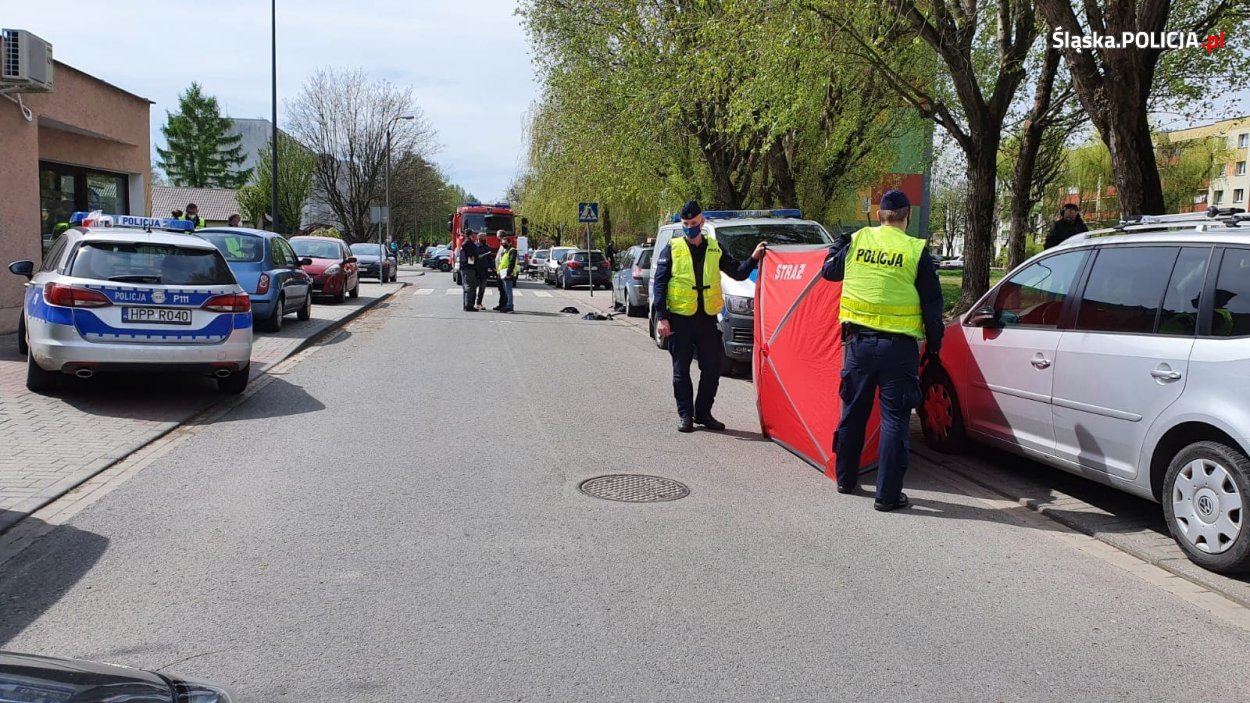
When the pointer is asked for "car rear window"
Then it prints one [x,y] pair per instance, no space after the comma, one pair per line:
[165,264]
[595,257]
[1232,295]
[237,247]
[559,255]
[644,258]
[740,240]
[317,250]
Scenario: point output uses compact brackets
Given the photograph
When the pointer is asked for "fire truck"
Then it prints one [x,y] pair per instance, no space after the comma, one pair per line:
[488,219]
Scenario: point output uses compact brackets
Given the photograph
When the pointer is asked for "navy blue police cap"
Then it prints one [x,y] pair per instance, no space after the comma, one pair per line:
[691,210]
[895,200]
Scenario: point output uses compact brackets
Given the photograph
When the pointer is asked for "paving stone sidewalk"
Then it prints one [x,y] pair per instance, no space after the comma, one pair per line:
[50,444]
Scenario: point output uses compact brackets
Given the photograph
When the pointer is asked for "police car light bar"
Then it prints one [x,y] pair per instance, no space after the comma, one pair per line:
[98,219]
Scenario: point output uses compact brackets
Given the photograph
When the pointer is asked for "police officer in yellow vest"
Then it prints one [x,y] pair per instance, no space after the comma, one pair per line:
[891,299]
[193,215]
[687,297]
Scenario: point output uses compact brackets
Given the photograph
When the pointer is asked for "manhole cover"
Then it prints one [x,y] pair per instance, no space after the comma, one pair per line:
[634,488]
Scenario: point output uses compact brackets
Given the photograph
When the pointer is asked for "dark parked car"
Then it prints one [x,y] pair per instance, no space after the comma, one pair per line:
[582,268]
[434,255]
[631,286]
[367,255]
[333,269]
[27,677]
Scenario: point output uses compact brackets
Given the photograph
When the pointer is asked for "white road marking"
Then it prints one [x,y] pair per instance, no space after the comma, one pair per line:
[453,291]
[541,294]
[423,291]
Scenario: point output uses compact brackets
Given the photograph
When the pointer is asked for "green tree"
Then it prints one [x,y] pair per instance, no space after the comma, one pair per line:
[295,177]
[199,150]
[1119,88]
[1185,168]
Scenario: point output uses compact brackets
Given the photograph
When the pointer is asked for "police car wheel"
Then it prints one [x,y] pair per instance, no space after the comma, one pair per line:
[22,347]
[1204,492]
[38,380]
[305,313]
[235,383]
[940,415]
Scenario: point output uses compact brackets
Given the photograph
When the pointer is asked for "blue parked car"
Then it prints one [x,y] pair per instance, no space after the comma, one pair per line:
[267,268]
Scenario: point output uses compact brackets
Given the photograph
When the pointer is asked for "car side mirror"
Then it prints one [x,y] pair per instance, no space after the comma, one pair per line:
[23,268]
[351,260]
[984,317]
[305,261]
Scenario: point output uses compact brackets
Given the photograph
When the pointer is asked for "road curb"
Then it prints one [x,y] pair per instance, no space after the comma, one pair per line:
[1176,564]
[13,517]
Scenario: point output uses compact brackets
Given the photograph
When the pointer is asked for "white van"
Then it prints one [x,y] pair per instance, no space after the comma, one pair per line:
[738,232]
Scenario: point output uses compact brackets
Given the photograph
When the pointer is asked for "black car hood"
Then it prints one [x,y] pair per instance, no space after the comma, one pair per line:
[26,677]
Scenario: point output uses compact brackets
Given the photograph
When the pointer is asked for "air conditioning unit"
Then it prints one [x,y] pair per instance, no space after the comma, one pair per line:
[25,62]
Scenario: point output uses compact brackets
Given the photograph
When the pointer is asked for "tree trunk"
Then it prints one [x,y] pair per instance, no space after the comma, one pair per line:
[1137,182]
[978,244]
[1022,181]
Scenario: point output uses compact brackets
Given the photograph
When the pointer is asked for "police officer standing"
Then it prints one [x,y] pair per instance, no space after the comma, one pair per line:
[485,264]
[687,298]
[468,269]
[193,215]
[891,299]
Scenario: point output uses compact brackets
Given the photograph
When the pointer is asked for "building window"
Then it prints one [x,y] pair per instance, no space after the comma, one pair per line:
[64,190]
[1239,195]
[1243,140]
[1200,199]
[1219,197]
[1241,168]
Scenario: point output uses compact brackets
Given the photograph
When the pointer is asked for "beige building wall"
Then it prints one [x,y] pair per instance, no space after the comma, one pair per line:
[1228,188]
[83,122]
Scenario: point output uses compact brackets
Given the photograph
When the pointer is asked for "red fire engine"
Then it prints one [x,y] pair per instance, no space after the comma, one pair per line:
[488,219]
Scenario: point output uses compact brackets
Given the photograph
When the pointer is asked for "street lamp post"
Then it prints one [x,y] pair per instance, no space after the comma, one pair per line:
[381,266]
[273,170]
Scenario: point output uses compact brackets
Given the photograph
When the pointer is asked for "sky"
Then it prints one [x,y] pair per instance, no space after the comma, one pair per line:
[467,61]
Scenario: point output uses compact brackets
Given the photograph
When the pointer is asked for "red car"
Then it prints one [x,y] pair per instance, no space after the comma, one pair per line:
[334,270]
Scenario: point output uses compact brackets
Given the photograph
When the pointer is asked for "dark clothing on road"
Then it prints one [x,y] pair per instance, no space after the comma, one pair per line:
[875,361]
[696,337]
[1061,230]
[485,262]
[737,270]
[472,289]
[872,362]
[927,285]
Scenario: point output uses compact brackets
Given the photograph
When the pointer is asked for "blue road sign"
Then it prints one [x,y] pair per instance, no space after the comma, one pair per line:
[588,213]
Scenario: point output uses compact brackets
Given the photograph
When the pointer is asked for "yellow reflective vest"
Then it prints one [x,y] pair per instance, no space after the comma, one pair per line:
[506,261]
[879,282]
[683,294]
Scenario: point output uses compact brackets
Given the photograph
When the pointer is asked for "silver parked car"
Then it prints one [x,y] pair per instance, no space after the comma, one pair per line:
[631,285]
[1122,355]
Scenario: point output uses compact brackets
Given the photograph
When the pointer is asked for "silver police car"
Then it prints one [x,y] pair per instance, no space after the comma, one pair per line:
[118,294]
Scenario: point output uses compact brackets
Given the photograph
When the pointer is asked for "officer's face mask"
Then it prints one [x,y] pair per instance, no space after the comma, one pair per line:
[692,231]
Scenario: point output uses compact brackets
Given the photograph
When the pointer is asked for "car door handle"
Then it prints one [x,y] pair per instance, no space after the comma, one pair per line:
[1040,363]
[1166,375]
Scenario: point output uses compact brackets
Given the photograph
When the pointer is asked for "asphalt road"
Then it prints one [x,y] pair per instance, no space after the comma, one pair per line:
[398,519]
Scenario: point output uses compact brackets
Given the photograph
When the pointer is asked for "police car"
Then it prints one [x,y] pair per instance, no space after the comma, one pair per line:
[738,232]
[123,293]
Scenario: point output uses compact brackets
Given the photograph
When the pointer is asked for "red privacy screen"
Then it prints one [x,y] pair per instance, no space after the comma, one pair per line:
[798,357]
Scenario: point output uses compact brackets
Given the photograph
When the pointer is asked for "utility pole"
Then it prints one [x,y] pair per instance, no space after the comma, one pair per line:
[273,171]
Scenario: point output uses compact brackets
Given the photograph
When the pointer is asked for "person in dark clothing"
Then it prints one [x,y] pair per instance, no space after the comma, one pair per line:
[609,250]
[891,298]
[687,297]
[485,262]
[468,270]
[1068,224]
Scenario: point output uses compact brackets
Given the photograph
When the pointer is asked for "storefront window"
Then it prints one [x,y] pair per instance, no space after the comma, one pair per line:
[64,190]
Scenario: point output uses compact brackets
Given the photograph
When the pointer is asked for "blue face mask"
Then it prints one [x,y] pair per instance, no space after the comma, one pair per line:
[692,232]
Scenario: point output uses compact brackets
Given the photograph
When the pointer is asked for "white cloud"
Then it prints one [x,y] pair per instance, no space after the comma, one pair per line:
[467,61]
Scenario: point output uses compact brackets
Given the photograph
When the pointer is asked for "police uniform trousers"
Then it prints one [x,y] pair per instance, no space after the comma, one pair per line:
[471,287]
[695,336]
[871,361]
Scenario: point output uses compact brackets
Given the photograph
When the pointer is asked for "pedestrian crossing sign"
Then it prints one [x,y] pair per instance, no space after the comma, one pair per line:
[588,213]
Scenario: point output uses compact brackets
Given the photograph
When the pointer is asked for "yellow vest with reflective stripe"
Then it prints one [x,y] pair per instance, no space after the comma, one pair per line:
[682,297]
[879,282]
[505,262]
